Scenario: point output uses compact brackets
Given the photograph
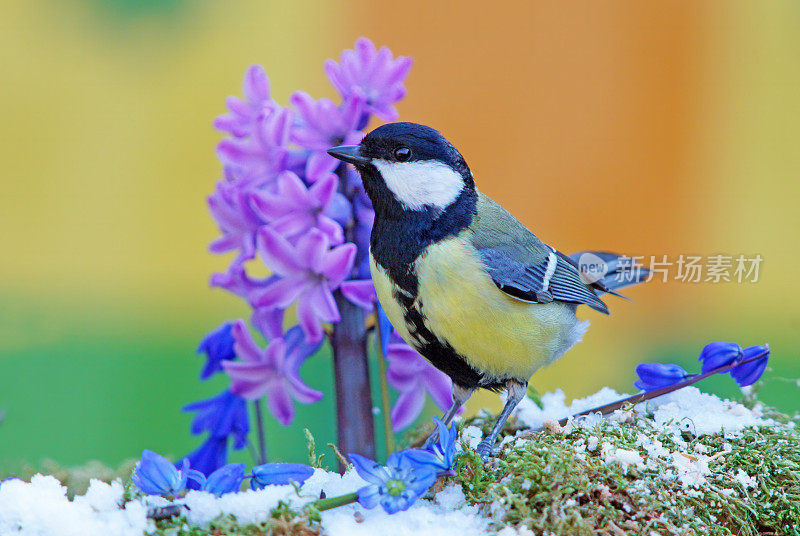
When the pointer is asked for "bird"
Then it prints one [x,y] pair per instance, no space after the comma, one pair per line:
[462,280]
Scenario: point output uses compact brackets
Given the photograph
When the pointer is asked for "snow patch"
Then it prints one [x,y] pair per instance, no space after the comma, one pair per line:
[625,457]
[41,507]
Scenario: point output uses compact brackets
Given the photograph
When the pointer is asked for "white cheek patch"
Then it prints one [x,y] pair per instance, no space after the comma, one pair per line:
[416,184]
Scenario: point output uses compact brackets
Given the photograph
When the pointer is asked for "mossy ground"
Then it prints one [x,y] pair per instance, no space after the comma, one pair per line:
[551,487]
[561,481]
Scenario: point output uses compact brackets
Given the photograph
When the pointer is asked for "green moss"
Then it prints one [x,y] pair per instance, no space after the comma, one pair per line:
[550,486]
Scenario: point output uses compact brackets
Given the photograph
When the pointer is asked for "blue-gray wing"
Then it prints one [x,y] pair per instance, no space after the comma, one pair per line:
[524,267]
[553,279]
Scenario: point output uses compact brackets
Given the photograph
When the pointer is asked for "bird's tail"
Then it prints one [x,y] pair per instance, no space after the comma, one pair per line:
[609,272]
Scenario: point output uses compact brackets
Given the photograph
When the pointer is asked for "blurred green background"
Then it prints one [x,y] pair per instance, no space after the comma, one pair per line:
[642,128]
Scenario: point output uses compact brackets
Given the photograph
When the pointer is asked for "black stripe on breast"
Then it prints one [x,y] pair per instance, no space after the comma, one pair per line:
[439,352]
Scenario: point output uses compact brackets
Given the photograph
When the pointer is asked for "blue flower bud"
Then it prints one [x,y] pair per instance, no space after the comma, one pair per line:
[654,376]
[719,354]
[276,474]
[749,373]
[226,479]
[155,475]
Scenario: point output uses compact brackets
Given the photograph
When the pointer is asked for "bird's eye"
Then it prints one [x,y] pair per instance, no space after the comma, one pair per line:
[402,154]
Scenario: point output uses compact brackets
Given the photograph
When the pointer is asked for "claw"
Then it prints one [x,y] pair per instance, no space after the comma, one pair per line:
[485,449]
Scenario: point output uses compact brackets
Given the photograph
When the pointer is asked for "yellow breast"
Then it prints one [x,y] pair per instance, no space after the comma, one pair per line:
[496,334]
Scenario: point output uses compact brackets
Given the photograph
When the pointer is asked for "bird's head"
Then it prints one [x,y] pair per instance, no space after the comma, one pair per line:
[409,165]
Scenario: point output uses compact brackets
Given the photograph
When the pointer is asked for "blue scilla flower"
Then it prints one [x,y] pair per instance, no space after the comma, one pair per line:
[277,474]
[209,456]
[654,376]
[719,354]
[749,373]
[226,479]
[438,455]
[218,347]
[395,486]
[156,475]
[221,416]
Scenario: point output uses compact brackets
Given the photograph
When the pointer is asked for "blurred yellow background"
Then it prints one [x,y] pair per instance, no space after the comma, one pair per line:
[643,128]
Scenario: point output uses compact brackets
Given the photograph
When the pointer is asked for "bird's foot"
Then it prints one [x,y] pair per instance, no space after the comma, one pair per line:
[485,448]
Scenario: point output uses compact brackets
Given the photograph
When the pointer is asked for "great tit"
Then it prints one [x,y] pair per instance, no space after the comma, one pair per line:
[460,278]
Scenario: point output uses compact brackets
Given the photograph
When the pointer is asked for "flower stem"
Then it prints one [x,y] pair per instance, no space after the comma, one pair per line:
[355,428]
[262,437]
[647,395]
[387,417]
[333,502]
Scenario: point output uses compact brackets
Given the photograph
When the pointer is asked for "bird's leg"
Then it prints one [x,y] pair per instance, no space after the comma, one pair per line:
[516,392]
[460,396]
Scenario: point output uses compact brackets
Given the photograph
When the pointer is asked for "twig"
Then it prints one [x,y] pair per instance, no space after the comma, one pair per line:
[159,513]
[647,395]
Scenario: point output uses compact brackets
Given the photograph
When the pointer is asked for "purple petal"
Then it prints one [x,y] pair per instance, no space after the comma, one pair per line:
[278,253]
[309,322]
[440,387]
[249,380]
[271,207]
[292,225]
[280,404]
[311,249]
[361,292]
[338,263]
[245,347]
[293,189]
[280,293]
[323,190]
[319,165]
[322,302]
[268,321]
[407,408]
[331,229]
[256,84]
[302,392]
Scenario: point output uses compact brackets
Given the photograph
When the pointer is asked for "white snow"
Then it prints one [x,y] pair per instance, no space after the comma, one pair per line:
[472,435]
[704,414]
[747,481]
[686,409]
[41,508]
[555,407]
[691,471]
[625,457]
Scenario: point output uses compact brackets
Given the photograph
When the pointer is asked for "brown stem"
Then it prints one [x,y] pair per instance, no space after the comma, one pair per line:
[354,421]
[355,428]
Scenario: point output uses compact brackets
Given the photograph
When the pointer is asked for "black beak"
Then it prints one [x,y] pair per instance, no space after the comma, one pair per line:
[350,154]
